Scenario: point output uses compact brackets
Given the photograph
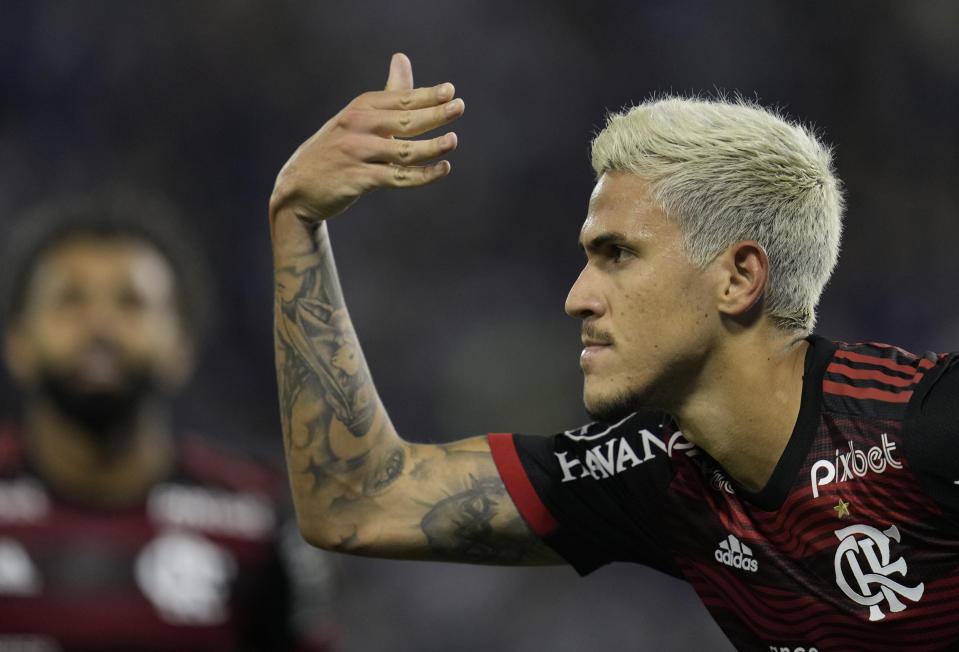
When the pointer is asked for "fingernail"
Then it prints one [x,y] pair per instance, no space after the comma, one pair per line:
[446,91]
[454,107]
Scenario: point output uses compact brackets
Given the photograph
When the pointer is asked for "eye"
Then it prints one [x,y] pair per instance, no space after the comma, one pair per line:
[129,299]
[70,297]
[621,254]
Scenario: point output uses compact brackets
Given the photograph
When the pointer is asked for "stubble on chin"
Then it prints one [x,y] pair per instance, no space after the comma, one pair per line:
[614,408]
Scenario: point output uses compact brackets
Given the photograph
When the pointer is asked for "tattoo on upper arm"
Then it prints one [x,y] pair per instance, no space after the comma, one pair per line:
[461,527]
[333,426]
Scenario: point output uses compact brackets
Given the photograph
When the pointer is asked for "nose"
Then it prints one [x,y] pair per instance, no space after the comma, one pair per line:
[100,318]
[583,300]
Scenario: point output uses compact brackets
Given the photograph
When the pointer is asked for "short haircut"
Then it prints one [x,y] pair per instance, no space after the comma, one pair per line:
[107,216]
[731,170]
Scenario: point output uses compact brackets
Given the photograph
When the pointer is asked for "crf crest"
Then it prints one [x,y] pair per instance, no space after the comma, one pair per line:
[863,568]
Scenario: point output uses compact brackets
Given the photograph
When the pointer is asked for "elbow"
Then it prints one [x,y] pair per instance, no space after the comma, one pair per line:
[314,537]
[322,530]
[359,537]
[317,535]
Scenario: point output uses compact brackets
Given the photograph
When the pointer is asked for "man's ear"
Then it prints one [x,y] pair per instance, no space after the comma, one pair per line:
[19,357]
[745,268]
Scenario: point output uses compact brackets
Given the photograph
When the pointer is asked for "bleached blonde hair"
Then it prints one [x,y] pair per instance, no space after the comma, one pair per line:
[731,170]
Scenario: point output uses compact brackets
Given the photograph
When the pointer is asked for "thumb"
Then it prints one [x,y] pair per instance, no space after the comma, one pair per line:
[401,73]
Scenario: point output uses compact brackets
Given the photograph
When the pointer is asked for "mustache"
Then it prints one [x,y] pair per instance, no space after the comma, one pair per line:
[593,333]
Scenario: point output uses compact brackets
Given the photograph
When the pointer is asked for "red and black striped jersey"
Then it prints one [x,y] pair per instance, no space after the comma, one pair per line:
[852,545]
[209,560]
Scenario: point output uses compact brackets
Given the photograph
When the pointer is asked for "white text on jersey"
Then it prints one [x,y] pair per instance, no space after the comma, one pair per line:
[732,552]
[614,456]
[853,464]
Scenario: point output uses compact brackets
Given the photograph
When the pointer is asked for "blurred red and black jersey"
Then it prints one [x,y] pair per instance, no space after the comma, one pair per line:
[207,561]
[853,544]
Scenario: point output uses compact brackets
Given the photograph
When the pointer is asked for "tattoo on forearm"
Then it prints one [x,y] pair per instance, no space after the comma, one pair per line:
[321,373]
[315,328]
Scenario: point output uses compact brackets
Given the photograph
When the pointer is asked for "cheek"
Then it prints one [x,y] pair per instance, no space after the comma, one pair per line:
[166,351]
[53,339]
[662,324]
[149,328]
[641,313]
[157,341]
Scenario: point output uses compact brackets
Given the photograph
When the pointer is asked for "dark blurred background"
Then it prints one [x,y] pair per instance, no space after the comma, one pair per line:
[457,289]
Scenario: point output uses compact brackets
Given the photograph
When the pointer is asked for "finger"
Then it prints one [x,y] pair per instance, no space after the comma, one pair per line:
[373,149]
[401,73]
[403,176]
[404,124]
[408,124]
[416,98]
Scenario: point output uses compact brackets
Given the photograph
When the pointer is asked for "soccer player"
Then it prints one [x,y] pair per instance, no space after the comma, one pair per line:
[118,531]
[805,488]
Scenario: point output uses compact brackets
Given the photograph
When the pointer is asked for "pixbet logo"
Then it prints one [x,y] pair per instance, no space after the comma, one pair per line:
[870,586]
[853,464]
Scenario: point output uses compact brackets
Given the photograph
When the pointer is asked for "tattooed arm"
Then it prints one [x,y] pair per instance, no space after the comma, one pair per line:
[358,487]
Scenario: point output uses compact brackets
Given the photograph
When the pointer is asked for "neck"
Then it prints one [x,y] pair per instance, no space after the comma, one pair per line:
[108,471]
[745,406]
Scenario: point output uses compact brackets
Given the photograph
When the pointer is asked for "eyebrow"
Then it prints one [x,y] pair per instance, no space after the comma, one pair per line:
[603,240]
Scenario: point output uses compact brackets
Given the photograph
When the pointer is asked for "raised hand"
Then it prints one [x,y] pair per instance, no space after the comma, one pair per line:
[358,486]
[368,145]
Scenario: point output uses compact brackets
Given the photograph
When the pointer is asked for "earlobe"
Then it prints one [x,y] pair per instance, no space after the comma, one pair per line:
[746,268]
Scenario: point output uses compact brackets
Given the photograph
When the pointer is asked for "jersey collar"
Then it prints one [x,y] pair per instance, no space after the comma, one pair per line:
[773,495]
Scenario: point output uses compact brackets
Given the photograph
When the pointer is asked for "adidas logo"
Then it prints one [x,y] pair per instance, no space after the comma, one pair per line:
[733,553]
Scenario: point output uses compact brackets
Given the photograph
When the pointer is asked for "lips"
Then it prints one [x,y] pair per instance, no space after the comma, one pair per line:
[589,342]
[594,344]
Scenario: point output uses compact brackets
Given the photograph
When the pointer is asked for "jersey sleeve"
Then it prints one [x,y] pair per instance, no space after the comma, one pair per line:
[932,444]
[595,494]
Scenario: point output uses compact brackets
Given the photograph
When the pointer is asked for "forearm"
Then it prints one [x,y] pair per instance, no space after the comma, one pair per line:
[357,486]
[340,445]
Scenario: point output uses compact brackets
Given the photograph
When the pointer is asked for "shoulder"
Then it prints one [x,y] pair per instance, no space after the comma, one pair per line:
[931,444]
[934,412]
[882,364]
[596,493]
[876,378]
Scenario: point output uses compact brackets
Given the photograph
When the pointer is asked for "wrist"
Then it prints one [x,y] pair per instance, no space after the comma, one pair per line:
[292,235]
[283,195]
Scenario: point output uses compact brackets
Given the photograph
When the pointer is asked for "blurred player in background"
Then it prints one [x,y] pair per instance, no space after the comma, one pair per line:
[117,531]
